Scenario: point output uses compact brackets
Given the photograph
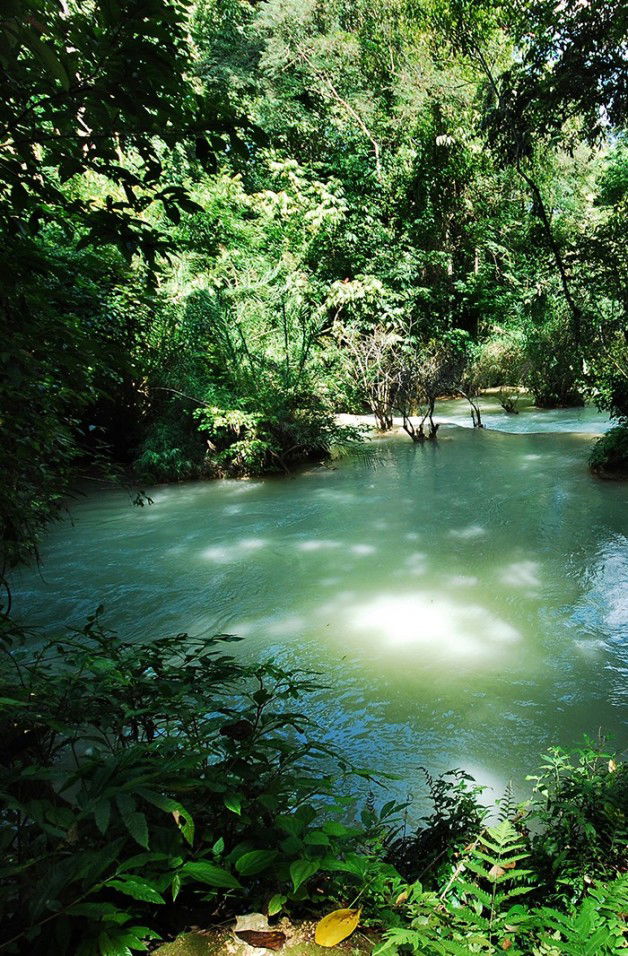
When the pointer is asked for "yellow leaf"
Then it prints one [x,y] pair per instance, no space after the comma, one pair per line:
[336,926]
[612,766]
[401,898]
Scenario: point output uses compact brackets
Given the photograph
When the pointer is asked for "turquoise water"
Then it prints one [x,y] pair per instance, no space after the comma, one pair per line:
[465,602]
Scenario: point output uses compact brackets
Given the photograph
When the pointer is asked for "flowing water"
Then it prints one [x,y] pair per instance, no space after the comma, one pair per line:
[465,602]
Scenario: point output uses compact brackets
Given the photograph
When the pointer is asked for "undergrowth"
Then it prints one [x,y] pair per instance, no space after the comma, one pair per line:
[150,785]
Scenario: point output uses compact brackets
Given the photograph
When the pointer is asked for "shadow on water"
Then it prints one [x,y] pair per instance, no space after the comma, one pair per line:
[464,601]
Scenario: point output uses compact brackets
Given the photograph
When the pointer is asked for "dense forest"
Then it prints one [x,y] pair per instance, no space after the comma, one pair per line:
[228,225]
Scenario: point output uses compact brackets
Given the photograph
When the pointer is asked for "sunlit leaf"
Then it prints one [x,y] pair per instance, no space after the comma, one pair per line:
[276,904]
[336,926]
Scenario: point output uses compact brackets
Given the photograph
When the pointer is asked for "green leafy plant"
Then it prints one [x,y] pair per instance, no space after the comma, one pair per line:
[580,809]
[609,455]
[456,816]
[134,774]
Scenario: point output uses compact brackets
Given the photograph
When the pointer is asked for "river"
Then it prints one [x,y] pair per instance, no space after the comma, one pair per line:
[465,602]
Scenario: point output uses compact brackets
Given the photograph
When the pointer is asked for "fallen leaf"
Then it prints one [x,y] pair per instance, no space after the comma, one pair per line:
[401,898]
[509,866]
[506,943]
[264,939]
[336,926]
[495,872]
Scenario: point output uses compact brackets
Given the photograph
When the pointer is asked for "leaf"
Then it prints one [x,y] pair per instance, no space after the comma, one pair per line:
[302,870]
[255,861]
[48,58]
[336,926]
[212,875]
[102,814]
[233,802]
[138,828]
[276,904]
[175,886]
[333,828]
[264,939]
[137,889]
[316,838]
[495,872]
[290,824]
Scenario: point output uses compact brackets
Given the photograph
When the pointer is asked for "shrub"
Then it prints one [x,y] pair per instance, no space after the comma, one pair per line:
[547,878]
[171,452]
[580,814]
[136,774]
[500,360]
[552,365]
[456,817]
[609,455]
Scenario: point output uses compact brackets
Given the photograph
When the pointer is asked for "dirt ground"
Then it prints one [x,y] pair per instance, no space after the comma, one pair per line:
[299,942]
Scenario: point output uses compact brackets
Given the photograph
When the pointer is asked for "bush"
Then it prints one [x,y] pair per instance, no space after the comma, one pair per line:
[609,456]
[547,877]
[136,774]
[146,786]
[171,452]
[271,431]
[551,370]
[500,360]
[580,814]
[456,817]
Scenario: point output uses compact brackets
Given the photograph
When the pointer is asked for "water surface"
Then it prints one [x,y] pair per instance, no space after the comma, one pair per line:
[465,602]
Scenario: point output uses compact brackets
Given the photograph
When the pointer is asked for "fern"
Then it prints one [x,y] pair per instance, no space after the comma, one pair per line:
[594,928]
[490,880]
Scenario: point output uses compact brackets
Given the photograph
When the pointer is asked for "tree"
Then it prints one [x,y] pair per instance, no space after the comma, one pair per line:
[96,98]
[425,373]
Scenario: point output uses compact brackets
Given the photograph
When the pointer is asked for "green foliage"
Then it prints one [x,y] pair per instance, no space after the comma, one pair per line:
[85,139]
[479,905]
[121,68]
[581,803]
[547,879]
[170,451]
[142,780]
[455,819]
[551,365]
[596,925]
[135,774]
[609,455]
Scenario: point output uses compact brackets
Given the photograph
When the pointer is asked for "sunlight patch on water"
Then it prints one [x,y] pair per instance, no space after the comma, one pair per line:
[362,550]
[524,574]
[464,611]
[233,552]
[318,545]
[468,533]
[434,624]
[462,581]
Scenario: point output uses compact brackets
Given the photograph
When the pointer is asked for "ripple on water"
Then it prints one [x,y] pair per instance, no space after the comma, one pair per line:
[465,603]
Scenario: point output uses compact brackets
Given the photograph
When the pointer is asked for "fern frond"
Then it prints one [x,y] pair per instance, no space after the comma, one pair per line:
[471,889]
